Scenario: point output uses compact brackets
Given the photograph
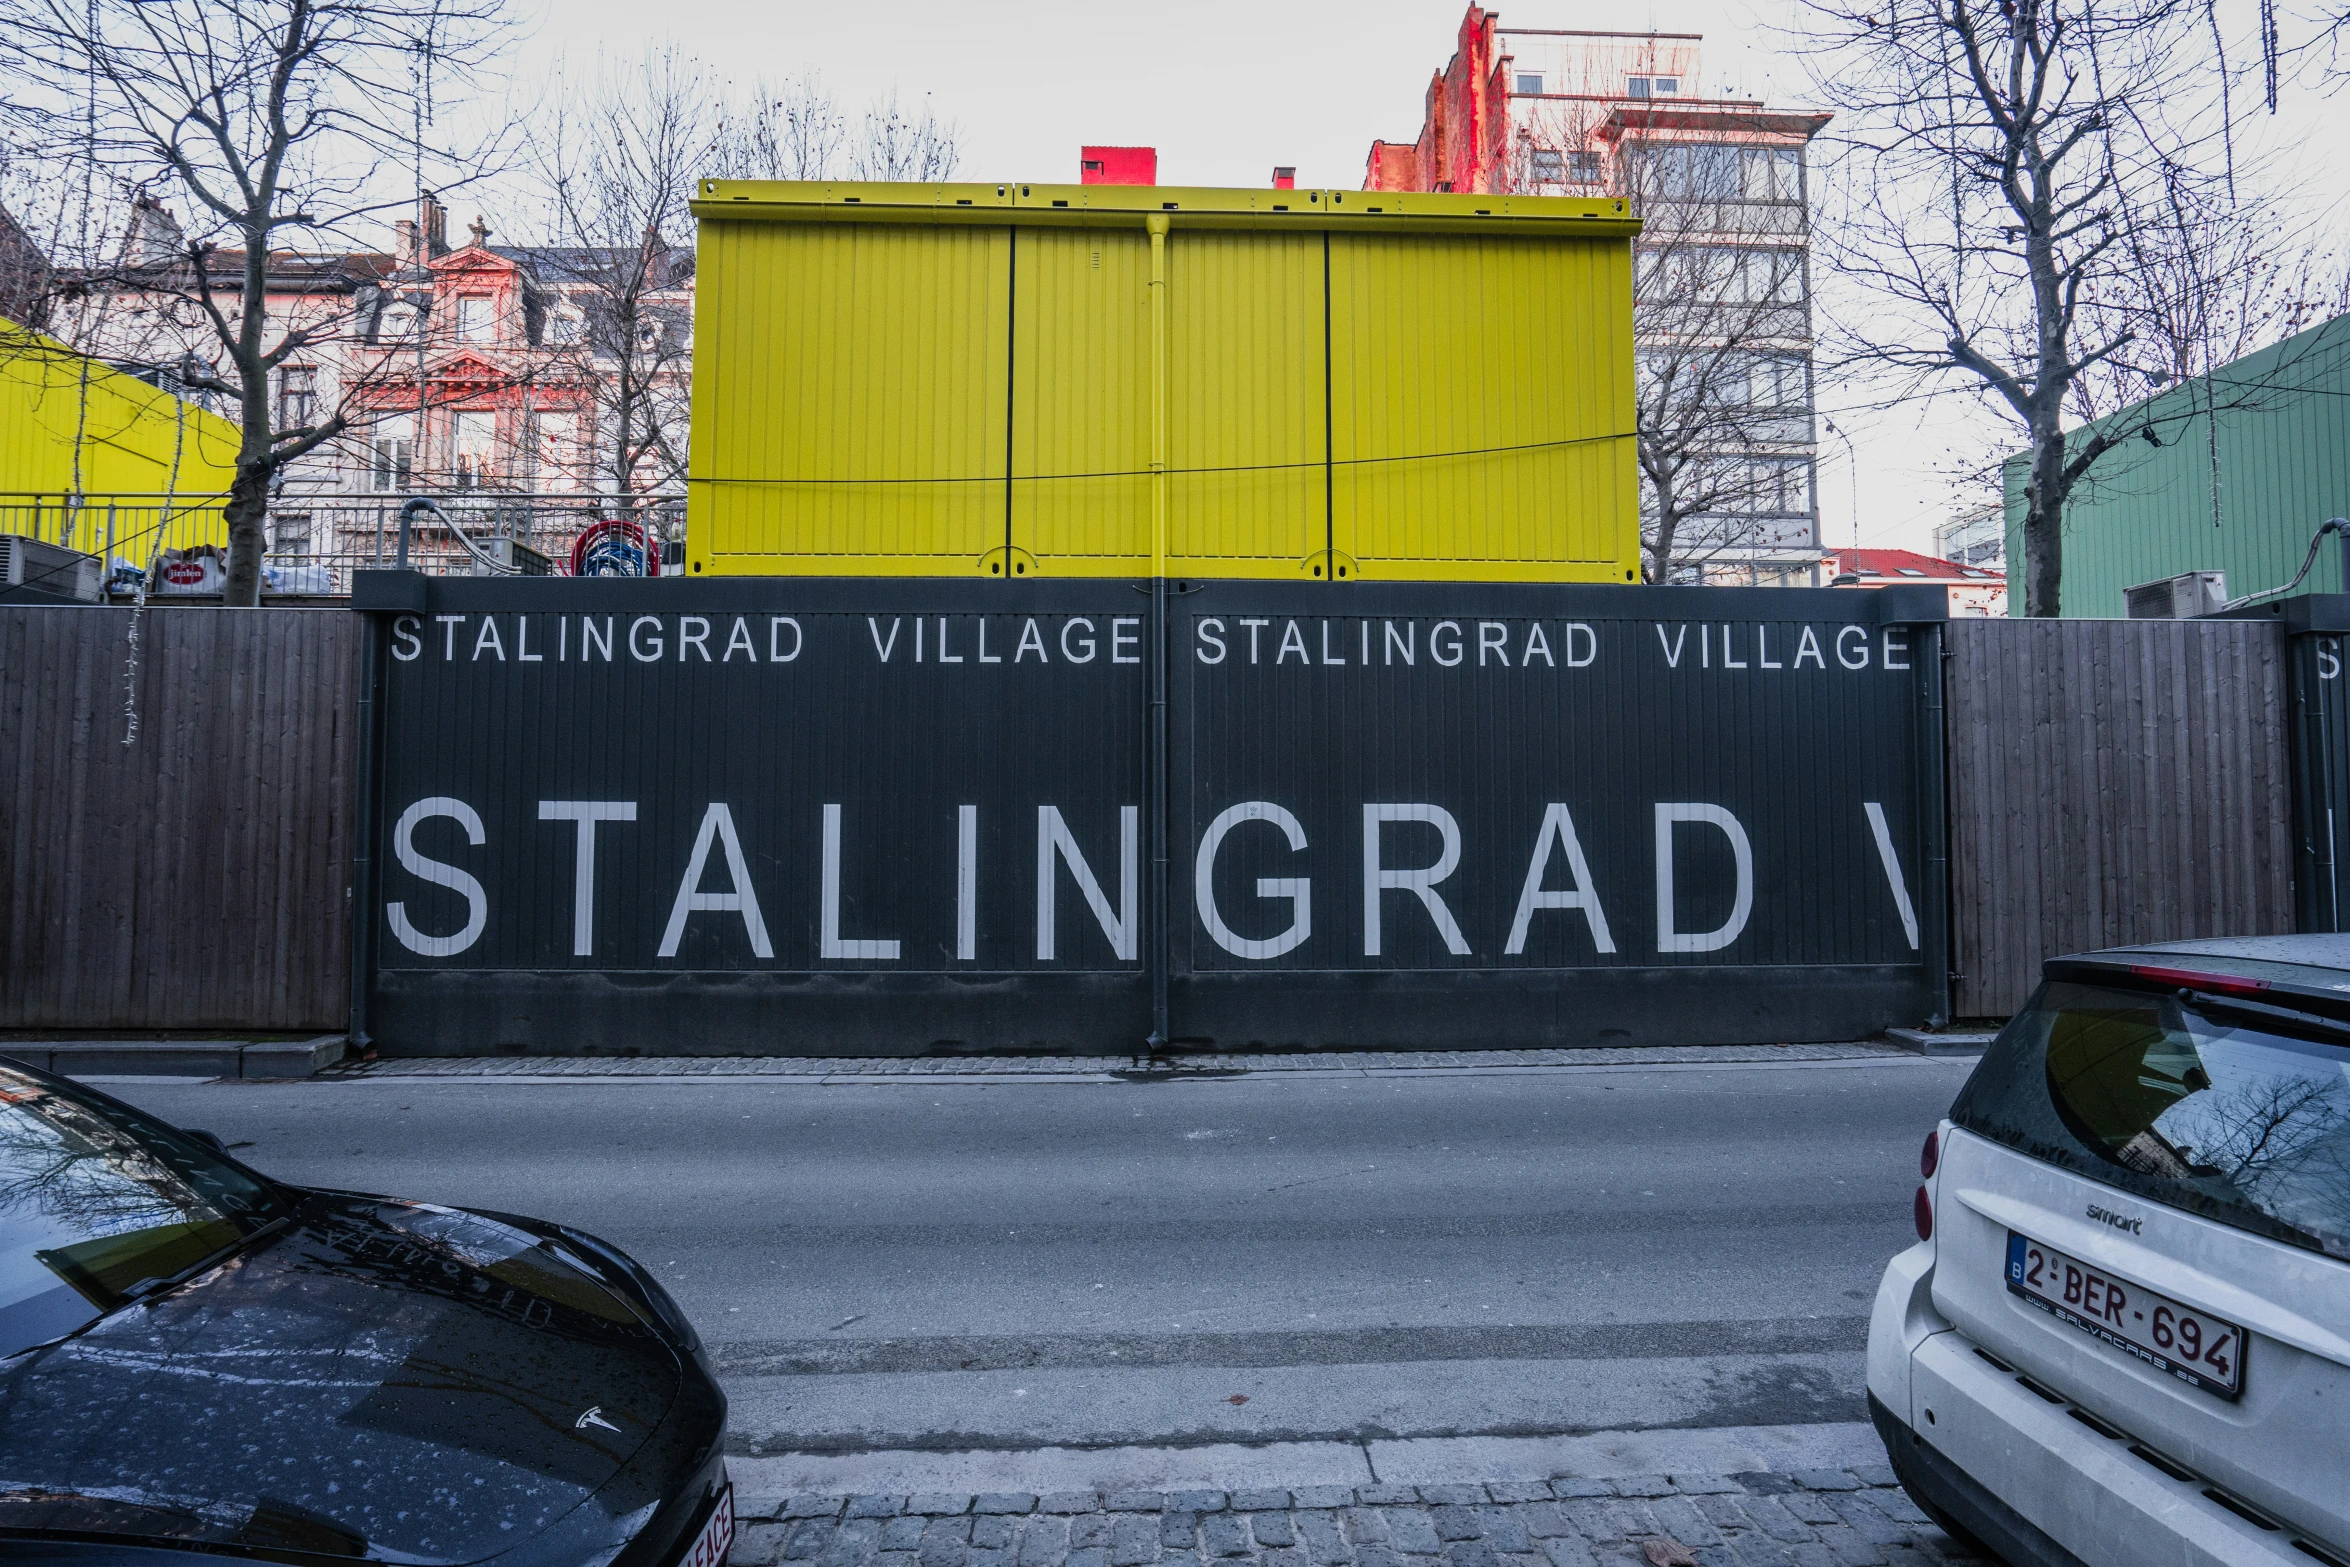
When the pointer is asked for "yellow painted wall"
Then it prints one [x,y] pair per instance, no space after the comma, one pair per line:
[130,435]
[958,380]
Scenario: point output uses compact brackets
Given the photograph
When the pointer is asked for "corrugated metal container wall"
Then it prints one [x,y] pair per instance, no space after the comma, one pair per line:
[133,439]
[853,364]
[970,381]
[2145,511]
[885,816]
[1247,362]
[1532,404]
[1081,401]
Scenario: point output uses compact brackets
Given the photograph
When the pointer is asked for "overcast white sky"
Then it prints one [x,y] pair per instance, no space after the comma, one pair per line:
[1225,90]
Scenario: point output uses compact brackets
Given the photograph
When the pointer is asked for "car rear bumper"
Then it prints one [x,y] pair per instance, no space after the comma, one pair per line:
[1951,1492]
[2045,1489]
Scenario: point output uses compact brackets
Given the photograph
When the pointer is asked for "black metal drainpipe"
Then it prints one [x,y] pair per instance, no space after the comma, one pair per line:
[1161,935]
[363,826]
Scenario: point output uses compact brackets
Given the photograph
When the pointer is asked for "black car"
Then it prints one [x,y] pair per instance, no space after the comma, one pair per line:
[196,1360]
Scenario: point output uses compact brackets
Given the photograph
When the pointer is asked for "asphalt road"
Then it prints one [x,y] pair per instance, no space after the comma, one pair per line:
[885,1265]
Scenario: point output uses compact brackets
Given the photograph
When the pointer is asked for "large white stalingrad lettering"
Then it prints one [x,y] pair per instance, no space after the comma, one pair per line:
[583,873]
[1411,848]
[739,897]
[1297,889]
[438,874]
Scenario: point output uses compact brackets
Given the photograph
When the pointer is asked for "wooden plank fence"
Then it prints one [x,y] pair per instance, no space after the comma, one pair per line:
[197,877]
[2111,782]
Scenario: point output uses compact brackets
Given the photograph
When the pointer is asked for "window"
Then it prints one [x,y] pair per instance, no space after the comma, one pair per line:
[1550,166]
[473,318]
[474,443]
[1778,381]
[1636,86]
[1667,86]
[391,452]
[1771,174]
[1529,81]
[2239,1114]
[1769,487]
[1771,277]
[289,533]
[1909,571]
[558,451]
[1699,276]
[297,397]
[1689,172]
[1790,488]
[1583,168]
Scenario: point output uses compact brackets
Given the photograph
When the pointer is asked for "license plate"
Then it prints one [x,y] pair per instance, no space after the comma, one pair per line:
[2198,1348]
[717,1537]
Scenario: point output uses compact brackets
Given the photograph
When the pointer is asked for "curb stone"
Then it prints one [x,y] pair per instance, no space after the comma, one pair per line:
[1773,1520]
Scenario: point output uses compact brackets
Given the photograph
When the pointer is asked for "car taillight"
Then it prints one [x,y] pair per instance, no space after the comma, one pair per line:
[1932,1155]
[2196,979]
[1925,1215]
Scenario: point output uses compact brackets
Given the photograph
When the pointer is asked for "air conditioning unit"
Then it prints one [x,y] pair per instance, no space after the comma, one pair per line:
[516,556]
[52,568]
[2182,597]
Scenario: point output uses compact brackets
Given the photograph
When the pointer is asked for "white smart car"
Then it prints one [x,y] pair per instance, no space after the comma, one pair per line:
[2123,1338]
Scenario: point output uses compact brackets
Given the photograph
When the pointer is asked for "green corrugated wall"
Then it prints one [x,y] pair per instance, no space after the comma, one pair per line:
[2145,512]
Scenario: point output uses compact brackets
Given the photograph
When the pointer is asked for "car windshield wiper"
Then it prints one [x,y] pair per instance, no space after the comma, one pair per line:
[148,1288]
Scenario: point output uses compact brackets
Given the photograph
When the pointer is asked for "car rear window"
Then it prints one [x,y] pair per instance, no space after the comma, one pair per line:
[2238,1112]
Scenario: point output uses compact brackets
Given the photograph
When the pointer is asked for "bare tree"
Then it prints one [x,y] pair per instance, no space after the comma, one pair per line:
[798,131]
[1721,329]
[274,119]
[2008,161]
[619,152]
[897,145]
[2203,289]
[794,131]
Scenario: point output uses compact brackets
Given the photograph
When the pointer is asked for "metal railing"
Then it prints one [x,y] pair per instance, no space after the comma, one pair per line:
[318,540]
[342,534]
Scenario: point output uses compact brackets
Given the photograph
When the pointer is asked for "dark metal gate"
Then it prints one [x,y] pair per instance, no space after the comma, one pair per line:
[829,816]
[2318,724]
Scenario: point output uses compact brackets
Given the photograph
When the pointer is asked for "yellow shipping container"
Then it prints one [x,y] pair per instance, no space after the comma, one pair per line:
[1098,380]
[142,451]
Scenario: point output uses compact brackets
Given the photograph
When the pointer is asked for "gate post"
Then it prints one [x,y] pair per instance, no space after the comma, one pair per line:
[376,596]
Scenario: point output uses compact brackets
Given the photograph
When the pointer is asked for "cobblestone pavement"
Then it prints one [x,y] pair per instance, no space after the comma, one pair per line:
[1812,1518]
[1103,1066]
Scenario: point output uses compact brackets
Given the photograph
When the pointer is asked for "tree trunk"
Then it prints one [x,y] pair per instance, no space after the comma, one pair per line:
[248,515]
[2044,522]
[1660,554]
